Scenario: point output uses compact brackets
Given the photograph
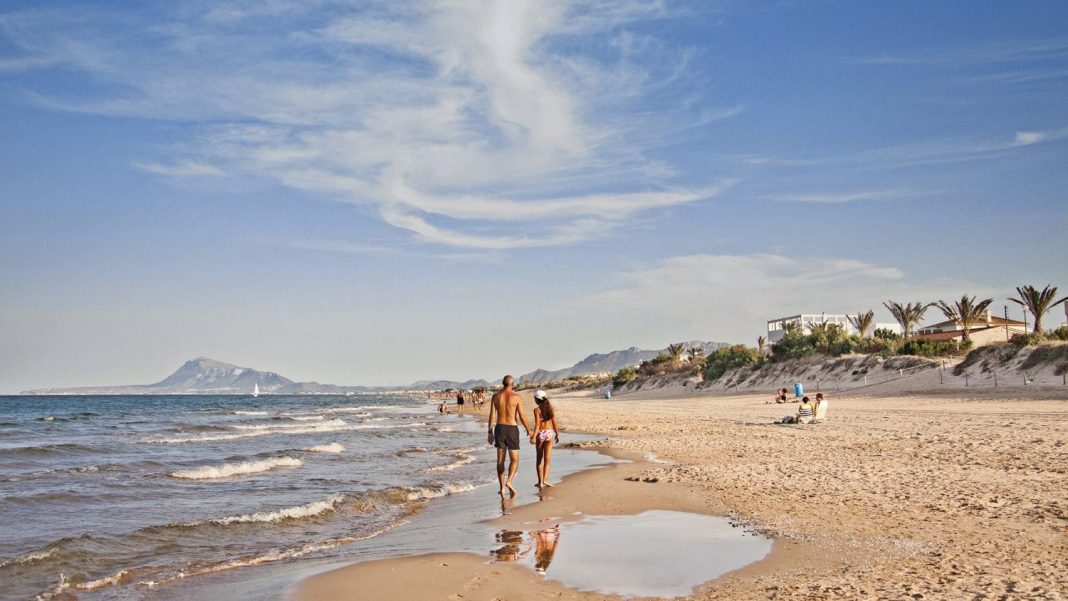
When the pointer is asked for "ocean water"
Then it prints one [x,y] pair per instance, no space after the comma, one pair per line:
[118,497]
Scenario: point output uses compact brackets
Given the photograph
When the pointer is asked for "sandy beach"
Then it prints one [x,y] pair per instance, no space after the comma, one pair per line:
[921,495]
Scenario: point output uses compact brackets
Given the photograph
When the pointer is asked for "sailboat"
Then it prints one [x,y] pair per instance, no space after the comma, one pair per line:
[256,389]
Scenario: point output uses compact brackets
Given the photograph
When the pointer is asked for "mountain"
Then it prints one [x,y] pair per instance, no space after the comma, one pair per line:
[208,376]
[612,362]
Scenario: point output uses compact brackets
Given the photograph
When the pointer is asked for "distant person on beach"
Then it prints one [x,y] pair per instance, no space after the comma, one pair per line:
[460,401]
[443,407]
[545,434]
[819,410]
[506,406]
[780,396]
[804,412]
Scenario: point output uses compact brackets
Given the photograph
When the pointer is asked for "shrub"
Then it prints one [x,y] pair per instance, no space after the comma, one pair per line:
[1030,339]
[885,334]
[1060,333]
[624,376]
[935,348]
[729,357]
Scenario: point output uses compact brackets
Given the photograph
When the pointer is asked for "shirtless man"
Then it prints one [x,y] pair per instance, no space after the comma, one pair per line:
[506,405]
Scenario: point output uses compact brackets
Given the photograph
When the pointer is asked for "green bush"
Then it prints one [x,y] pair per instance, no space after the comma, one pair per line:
[729,357]
[1030,339]
[935,348]
[1060,333]
[884,334]
[625,375]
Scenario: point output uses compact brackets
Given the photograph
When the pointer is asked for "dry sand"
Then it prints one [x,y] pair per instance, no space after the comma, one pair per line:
[935,495]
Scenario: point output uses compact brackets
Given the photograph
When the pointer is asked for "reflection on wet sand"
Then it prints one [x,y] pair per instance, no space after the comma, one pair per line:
[517,545]
[546,545]
[514,548]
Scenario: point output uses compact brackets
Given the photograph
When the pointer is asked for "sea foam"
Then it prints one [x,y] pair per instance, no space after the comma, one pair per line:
[227,470]
[326,448]
[289,513]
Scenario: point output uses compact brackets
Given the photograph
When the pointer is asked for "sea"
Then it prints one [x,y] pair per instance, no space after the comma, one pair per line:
[130,497]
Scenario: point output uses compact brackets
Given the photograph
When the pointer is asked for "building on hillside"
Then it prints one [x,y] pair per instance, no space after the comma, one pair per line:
[988,330]
[805,321]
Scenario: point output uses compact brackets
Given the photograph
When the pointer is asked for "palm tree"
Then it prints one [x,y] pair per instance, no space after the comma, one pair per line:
[761,341]
[1037,302]
[676,351]
[907,315]
[965,312]
[862,322]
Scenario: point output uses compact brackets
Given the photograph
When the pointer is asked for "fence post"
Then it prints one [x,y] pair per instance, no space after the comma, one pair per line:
[838,383]
[965,380]
[865,379]
[995,379]
[940,376]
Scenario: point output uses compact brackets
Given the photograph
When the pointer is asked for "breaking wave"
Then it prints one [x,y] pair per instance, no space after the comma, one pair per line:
[326,448]
[227,470]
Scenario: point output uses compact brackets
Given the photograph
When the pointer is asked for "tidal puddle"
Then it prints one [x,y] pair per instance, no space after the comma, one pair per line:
[652,554]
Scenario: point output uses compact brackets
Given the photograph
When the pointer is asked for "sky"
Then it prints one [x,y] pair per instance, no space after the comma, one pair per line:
[379,192]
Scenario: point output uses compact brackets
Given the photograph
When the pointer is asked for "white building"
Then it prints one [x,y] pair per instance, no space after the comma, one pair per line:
[805,321]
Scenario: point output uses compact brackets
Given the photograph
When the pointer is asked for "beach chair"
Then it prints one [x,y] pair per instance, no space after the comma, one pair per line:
[821,412]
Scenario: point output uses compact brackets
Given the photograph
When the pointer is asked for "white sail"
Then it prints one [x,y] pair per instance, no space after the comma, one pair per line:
[256,389]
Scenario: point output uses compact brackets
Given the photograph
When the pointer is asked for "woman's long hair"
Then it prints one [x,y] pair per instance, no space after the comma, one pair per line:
[546,409]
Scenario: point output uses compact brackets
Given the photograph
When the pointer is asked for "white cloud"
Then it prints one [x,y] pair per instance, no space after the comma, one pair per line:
[181,169]
[457,120]
[731,297]
[843,197]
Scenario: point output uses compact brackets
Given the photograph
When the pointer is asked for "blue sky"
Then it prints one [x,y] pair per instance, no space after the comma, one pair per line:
[378,192]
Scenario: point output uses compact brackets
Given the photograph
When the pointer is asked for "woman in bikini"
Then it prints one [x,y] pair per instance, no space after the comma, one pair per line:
[544,435]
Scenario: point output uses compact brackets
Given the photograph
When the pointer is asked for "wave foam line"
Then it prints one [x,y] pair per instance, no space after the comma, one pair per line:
[251,413]
[283,427]
[448,467]
[306,418]
[273,556]
[227,470]
[289,513]
[28,557]
[433,492]
[326,448]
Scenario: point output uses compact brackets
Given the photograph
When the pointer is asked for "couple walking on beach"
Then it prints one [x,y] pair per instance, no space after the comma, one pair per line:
[506,407]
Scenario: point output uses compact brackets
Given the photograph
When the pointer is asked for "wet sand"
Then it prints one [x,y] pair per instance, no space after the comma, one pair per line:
[933,495]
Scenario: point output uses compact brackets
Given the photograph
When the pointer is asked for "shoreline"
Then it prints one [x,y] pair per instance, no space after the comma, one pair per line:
[913,495]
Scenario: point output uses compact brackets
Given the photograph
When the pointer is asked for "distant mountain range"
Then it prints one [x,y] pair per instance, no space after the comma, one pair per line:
[208,376]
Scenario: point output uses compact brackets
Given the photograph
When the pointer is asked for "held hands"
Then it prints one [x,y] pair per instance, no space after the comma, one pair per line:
[489,437]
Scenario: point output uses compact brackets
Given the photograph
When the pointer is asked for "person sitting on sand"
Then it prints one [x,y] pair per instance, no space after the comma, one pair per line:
[443,408]
[506,405]
[804,412]
[819,410]
[780,396]
[545,434]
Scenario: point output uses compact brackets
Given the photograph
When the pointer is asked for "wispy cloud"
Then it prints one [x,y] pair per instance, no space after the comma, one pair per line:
[989,53]
[920,153]
[847,197]
[455,120]
[185,168]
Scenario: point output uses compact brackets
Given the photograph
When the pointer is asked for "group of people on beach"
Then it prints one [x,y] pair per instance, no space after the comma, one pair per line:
[807,412]
[506,408]
[477,398]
